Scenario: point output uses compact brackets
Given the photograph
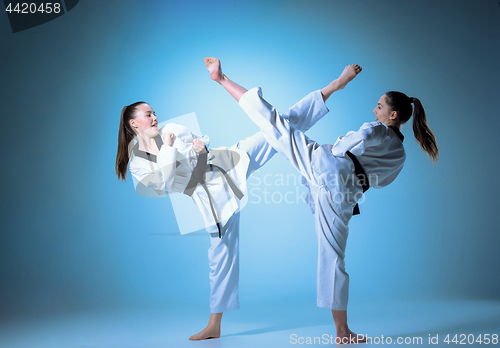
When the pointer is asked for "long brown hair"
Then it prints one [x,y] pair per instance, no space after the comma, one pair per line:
[401,103]
[125,136]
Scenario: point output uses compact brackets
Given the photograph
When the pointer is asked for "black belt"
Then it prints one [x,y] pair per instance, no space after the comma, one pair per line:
[198,177]
[362,177]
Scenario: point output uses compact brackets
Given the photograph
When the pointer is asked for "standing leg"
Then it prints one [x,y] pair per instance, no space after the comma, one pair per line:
[332,279]
[223,259]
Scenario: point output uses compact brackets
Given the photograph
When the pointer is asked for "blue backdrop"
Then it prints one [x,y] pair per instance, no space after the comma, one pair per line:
[74,237]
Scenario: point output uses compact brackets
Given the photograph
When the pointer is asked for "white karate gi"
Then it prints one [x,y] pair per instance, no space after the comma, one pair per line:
[333,187]
[171,173]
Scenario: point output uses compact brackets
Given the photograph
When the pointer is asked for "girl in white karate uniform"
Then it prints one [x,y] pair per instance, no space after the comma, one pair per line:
[337,175]
[164,160]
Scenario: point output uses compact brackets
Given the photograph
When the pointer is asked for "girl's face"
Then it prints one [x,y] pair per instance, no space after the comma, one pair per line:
[145,121]
[383,113]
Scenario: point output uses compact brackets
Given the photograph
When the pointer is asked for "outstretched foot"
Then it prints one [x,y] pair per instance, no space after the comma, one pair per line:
[348,337]
[213,66]
[349,73]
[209,332]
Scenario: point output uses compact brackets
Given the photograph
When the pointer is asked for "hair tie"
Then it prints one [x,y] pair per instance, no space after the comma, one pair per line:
[411,99]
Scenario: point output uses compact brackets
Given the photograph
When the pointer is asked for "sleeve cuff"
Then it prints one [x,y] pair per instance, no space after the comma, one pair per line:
[250,95]
[319,99]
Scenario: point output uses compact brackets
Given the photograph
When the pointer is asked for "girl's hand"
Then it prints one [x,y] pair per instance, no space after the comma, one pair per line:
[198,145]
[168,138]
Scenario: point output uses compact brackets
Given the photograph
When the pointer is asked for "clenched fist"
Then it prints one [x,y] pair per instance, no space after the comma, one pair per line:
[198,145]
[168,138]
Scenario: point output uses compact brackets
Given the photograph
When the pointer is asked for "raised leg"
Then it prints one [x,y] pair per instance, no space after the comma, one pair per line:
[259,151]
[305,113]
[287,140]
[302,116]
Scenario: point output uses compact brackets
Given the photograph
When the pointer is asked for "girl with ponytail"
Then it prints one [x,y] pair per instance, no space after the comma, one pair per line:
[337,175]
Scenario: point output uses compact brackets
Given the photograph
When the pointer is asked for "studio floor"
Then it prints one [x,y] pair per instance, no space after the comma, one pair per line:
[396,323]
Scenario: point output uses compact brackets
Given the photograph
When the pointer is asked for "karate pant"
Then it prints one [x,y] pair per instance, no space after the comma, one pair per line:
[331,229]
[223,255]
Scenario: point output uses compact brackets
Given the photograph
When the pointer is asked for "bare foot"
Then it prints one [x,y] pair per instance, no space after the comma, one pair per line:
[214,68]
[348,337]
[213,328]
[211,331]
[349,73]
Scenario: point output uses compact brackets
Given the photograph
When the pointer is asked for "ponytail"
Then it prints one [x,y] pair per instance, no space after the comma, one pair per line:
[125,136]
[423,133]
[401,103]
